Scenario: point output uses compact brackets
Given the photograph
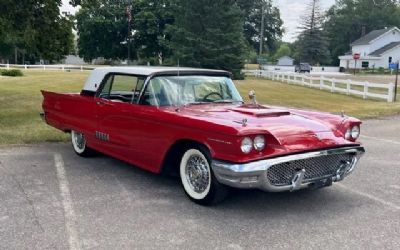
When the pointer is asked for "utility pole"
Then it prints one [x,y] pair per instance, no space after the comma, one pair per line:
[397,79]
[262,28]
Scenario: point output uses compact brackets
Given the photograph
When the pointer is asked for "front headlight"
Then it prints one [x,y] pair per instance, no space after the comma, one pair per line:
[355,132]
[246,145]
[347,136]
[259,142]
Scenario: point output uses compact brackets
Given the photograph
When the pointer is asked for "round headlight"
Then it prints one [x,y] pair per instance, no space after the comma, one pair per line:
[347,136]
[247,145]
[259,142]
[355,132]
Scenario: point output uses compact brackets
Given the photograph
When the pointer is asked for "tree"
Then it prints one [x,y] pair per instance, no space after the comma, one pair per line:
[209,34]
[103,29]
[84,3]
[150,24]
[252,11]
[312,45]
[284,50]
[347,19]
[34,29]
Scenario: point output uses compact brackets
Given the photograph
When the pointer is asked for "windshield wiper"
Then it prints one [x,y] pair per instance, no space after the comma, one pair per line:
[217,101]
[227,101]
[196,103]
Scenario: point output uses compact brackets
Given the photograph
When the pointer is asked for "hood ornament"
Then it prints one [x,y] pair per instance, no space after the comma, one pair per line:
[252,97]
[244,122]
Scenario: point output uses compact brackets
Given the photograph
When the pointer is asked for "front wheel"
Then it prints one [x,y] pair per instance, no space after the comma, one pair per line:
[79,144]
[198,179]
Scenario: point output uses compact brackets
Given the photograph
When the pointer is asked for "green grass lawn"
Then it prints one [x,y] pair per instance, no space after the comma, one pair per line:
[276,93]
[20,102]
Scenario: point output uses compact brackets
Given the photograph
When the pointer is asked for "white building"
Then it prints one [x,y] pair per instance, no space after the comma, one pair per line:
[285,61]
[377,49]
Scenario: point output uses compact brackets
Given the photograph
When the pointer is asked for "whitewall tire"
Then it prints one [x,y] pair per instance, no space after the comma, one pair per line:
[197,177]
[79,144]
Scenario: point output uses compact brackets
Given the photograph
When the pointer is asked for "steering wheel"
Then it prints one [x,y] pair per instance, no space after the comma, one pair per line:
[205,98]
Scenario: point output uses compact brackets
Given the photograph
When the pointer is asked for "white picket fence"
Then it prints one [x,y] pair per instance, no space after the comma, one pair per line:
[349,87]
[47,67]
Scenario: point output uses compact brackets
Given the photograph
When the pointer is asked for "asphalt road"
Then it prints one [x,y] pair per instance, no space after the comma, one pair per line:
[52,199]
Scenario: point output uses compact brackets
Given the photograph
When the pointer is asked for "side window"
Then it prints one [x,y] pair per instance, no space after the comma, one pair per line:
[122,88]
[123,84]
[139,86]
[160,93]
[105,92]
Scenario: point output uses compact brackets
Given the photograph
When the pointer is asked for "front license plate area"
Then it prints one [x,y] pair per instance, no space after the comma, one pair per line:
[321,183]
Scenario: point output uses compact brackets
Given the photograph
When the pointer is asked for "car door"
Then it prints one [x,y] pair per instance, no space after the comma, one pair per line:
[114,113]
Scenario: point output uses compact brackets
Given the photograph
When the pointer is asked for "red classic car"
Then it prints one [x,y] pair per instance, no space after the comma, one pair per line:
[193,123]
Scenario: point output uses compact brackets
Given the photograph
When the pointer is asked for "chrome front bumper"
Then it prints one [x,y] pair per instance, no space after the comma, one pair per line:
[255,174]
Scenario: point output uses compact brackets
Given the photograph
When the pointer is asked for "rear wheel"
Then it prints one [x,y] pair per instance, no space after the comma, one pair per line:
[79,144]
[198,180]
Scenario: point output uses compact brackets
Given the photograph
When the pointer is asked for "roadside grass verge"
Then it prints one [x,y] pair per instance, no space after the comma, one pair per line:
[20,102]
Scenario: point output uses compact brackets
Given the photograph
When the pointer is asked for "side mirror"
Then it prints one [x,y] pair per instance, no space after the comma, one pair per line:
[252,97]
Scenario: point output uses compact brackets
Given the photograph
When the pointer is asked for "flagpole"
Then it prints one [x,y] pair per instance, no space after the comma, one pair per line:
[129,14]
[129,42]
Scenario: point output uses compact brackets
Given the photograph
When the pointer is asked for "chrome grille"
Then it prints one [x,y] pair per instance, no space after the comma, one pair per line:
[316,168]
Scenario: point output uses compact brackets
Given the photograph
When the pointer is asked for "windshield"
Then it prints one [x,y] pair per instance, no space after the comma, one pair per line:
[184,90]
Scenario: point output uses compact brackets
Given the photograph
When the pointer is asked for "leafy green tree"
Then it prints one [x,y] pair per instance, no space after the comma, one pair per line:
[273,30]
[103,29]
[150,24]
[209,34]
[312,44]
[84,3]
[284,50]
[347,19]
[35,29]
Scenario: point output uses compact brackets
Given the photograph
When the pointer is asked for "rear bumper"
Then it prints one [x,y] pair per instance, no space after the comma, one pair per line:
[255,174]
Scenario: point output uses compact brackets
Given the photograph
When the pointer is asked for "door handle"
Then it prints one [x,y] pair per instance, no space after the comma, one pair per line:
[101,103]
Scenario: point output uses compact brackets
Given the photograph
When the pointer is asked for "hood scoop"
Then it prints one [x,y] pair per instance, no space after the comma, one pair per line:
[261,111]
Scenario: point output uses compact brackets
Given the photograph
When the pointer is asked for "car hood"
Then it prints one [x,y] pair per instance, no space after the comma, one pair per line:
[248,119]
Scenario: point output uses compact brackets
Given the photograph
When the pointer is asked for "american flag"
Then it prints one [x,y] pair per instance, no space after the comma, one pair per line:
[129,12]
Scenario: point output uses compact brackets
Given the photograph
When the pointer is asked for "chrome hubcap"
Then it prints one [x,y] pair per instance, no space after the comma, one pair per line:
[79,140]
[197,174]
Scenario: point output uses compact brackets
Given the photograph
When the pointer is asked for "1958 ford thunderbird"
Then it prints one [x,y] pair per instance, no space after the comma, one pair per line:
[193,123]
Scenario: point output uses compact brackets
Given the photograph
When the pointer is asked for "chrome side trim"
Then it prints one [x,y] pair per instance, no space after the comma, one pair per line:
[254,174]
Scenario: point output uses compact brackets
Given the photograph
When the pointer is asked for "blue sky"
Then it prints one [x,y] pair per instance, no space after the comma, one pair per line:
[291,12]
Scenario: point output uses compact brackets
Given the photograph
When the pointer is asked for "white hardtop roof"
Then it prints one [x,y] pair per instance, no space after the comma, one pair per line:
[98,74]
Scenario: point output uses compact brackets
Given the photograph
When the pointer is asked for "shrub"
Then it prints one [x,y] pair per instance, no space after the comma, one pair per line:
[11,72]
[381,70]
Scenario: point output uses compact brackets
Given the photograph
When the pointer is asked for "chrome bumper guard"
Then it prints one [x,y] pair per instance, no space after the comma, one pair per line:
[255,174]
